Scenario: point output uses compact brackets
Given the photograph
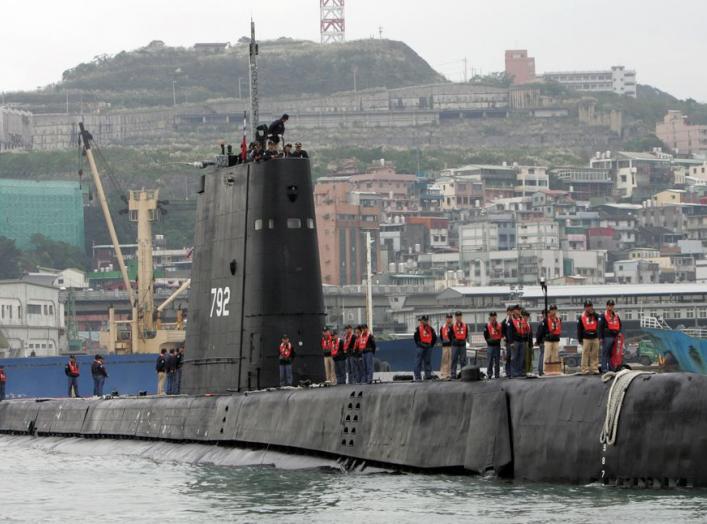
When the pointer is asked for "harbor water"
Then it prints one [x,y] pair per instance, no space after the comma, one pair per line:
[78,480]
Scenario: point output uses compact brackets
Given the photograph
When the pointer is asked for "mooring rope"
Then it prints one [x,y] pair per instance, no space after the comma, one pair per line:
[614,403]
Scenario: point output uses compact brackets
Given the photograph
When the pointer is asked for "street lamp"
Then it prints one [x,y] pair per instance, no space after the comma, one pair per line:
[543,286]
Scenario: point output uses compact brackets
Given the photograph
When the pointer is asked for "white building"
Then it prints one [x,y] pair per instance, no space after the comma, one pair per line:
[532,179]
[31,320]
[70,278]
[636,271]
[617,80]
[589,264]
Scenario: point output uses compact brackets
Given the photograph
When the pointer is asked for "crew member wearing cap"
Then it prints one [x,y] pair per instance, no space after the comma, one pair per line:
[552,329]
[446,332]
[425,339]
[299,152]
[588,336]
[277,129]
[339,358]
[357,362]
[366,344]
[609,330]
[528,358]
[540,341]
[351,355]
[461,334]
[505,327]
[493,334]
[329,373]
[287,353]
[519,331]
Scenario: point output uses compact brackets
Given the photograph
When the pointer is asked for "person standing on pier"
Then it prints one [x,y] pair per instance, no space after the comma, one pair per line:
[99,374]
[329,371]
[461,334]
[588,336]
[286,355]
[3,381]
[160,368]
[71,370]
[366,345]
[425,339]
[339,357]
[446,332]
[609,331]
[493,333]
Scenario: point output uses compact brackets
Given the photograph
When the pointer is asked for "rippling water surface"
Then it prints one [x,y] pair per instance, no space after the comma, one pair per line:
[66,480]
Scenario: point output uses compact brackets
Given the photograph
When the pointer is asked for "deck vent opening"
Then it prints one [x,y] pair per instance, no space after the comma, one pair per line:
[292,193]
[232,266]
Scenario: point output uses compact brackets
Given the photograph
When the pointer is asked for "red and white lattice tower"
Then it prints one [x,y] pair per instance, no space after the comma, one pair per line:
[332,20]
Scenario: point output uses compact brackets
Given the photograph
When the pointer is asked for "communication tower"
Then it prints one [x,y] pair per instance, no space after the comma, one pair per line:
[332,20]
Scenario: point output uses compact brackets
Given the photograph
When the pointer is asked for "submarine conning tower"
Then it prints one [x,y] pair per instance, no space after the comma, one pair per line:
[255,277]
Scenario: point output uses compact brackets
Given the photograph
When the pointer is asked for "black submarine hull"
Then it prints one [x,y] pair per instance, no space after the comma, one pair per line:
[536,430]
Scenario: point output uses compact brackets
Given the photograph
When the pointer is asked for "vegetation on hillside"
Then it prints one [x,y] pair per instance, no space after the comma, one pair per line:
[42,253]
[146,76]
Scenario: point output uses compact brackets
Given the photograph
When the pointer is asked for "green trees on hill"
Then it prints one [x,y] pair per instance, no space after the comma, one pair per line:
[44,252]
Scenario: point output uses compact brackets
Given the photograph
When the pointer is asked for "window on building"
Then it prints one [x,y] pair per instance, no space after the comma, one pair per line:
[258,224]
[294,223]
[46,309]
[19,312]
[51,309]
[44,346]
[34,309]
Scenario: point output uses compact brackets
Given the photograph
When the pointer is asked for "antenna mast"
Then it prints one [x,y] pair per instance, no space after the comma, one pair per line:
[253,76]
[332,21]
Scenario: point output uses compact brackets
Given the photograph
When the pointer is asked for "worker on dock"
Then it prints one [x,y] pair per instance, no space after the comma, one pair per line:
[425,339]
[366,345]
[99,374]
[493,333]
[339,357]
[446,332]
[519,331]
[329,372]
[71,370]
[609,331]
[588,336]
[160,368]
[552,331]
[461,334]
[286,353]
[3,382]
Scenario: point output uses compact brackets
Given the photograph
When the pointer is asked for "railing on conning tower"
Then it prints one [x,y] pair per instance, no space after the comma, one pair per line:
[654,323]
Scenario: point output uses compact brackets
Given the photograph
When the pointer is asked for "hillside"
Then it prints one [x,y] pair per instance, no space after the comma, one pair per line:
[144,77]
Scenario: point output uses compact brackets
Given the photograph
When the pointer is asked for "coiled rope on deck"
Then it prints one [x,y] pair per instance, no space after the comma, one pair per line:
[614,403]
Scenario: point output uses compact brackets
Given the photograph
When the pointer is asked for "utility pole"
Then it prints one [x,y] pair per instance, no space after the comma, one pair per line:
[355,79]
[174,92]
[369,284]
[465,71]
[253,76]
[380,32]
[67,101]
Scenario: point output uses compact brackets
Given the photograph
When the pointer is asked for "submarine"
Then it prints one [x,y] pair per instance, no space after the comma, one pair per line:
[256,276]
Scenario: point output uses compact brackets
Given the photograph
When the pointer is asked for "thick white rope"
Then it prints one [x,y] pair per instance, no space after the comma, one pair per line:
[614,403]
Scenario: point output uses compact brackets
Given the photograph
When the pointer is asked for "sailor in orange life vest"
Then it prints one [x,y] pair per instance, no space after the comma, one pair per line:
[366,345]
[609,330]
[357,361]
[588,336]
[328,361]
[351,355]
[552,331]
[446,331]
[286,353]
[339,357]
[493,334]
[461,334]
[71,370]
[519,332]
[425,339]
[505,329]
[3,381]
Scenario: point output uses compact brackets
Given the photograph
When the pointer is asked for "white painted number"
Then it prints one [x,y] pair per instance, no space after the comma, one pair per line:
[220,297]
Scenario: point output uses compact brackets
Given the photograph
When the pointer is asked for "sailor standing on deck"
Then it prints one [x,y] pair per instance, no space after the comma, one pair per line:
[446,332]
[357,362]
[505,327]
[366,344]
[276,130]
[609,330]
[71,370]
[328,362]
[528,359]
[425,339]
[552,331]
[99,374]
[493,333]
[339,357]
[461,334]
[286,354]
[160,368]
[350,350]
[519,330]
[588,336]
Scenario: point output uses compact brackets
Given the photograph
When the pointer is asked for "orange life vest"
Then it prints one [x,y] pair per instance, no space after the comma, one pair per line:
[425,334]
[347,343]
[362,341]
[326,345]
[74,368]
[494,329]
[460,331]
[521,326]
[3,378]
[554,326]
[285,350]
[335,346]
[612,322]
[444,332]
[589,323]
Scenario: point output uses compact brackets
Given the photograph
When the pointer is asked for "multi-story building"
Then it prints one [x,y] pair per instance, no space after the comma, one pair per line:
[16,129]
[531,179]
[31,320]
[589,265]
[396,191]
[617,80]
[341,231]
[676,132]
[493,232]
[497,181]
[582,183]
[460,192]
[636,271]
[519,66]
[50,208]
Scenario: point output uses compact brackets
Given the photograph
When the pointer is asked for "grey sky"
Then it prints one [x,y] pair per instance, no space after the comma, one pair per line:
[665,43]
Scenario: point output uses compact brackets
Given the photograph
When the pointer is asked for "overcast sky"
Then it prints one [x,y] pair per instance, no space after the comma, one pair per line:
[665,42]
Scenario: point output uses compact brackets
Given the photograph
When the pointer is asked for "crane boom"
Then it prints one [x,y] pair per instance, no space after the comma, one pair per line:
[174,295]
